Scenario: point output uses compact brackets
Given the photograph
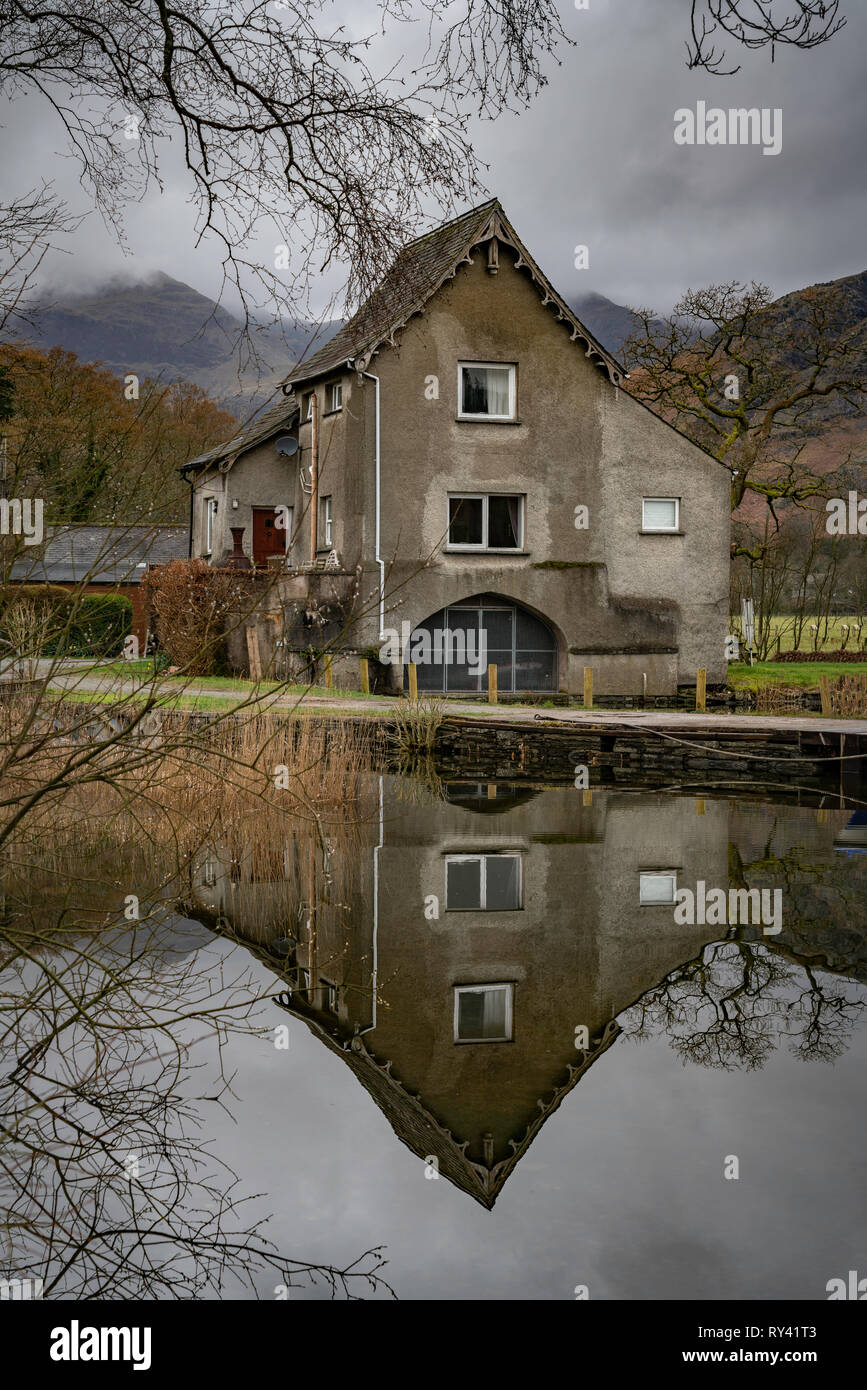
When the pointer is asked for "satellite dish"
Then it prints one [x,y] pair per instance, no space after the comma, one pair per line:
[287,444]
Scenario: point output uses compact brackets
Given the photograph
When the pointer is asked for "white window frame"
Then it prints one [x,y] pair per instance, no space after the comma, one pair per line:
[290,529]
[210,515]
[484,498]
[512,369]
[660,530]
[309,415]
[483,880]
[657,874]
[479,989]
[335,395]
[327,520]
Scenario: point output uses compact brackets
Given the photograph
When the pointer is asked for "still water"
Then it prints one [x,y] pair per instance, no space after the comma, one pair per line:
[492,1045]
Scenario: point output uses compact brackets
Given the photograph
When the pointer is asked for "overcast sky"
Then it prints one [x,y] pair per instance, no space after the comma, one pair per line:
[593,161]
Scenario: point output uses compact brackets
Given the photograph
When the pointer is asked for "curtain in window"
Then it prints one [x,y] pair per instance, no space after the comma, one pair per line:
[486,390]
[482,1014]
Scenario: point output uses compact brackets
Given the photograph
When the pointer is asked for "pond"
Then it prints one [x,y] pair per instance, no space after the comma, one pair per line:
[498,1039]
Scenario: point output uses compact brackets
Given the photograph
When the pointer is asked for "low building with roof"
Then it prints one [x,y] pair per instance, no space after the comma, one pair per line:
[95,559]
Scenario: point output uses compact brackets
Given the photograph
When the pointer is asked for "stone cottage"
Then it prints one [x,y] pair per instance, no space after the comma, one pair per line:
[459,478]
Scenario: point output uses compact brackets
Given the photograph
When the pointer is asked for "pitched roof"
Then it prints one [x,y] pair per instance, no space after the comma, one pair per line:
[419,271]
[417,1127]
[101,554]
[277,417]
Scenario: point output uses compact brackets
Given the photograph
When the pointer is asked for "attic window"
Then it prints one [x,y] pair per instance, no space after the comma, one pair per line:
[334,396]
[486,391]
[308,406]
[483,1013]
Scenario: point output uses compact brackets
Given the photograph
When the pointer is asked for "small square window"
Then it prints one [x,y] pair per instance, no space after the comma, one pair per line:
[660,514]
[486,391]
[657,888]
[483,1013]
[335,395]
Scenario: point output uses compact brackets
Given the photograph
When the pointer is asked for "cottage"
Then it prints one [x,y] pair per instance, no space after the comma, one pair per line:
[462,462]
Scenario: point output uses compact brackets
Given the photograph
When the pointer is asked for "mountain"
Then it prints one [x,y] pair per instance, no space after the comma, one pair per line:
[163,328]
[610,323]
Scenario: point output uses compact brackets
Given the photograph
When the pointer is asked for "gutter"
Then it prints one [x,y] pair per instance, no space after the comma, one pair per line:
[377,850]
[378,541]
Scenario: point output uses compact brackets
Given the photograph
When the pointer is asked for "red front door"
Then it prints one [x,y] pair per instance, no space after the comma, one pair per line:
[268,537]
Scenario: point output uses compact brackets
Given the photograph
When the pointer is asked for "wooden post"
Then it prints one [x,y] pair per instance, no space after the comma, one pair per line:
[329,676]
[588,687]
[492,684]
[253,653]
[413,681]
[701,688]
[365,676]
[587,797]
[492,791]
[699,805]
[825,689]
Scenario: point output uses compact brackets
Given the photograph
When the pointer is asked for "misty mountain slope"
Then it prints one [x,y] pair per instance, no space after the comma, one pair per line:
[164,328]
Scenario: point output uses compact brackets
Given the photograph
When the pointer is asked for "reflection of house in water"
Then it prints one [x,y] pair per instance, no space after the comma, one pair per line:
[458,959]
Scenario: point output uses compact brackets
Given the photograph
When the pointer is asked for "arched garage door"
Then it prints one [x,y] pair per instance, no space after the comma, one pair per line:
[477,631]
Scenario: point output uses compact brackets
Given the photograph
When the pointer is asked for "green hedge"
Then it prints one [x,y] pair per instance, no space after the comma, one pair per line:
[100,623]
[81,625]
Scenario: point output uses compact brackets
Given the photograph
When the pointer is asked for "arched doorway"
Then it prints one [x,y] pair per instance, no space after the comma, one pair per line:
[453,648]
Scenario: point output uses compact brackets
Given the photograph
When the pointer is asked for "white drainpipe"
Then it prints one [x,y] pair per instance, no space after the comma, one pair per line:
[378,542]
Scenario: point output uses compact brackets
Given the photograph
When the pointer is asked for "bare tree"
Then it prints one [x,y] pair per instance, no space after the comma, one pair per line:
[757,24]
[288,130]
[742,375]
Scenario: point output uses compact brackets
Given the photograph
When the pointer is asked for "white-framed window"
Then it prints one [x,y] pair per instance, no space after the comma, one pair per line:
[334,396]
[660,514]
[210,523]
[485,521]
[326,523]
[486,390]
[483,1013]
[289,516]
[484,883]
[657,887]
[308,412]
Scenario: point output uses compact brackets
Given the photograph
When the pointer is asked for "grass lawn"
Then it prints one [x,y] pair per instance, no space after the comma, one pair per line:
[210,703]
[781,626]
[804,674]
[143,670]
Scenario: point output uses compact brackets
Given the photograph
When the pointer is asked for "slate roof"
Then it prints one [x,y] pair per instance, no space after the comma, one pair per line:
[102,554]
[277,417]
[419,271]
